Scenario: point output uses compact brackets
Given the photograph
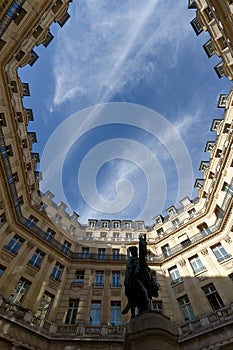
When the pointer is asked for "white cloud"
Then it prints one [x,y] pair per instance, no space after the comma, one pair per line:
[105,47]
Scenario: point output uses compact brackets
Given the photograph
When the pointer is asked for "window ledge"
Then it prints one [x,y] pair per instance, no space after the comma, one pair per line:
[200,272]
[175,283]
[226,259]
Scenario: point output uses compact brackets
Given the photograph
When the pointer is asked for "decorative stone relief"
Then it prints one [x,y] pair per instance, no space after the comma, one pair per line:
[182,262]
[228,239]
[30,271]
[97,293]
[179,288]
[204,252]
[6,257]
[116,293]
[30,244]
[52,285]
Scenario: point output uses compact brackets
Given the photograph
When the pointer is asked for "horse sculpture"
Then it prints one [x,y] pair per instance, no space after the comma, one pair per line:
[140,284]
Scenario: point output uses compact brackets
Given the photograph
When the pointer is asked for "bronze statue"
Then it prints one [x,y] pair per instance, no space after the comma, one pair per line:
[140,284]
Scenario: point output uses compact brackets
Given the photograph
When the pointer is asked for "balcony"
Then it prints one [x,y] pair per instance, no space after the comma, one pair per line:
[206,322]
[40,325]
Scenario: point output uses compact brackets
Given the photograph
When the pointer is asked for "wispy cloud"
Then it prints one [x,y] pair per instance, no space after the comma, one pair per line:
[118,47]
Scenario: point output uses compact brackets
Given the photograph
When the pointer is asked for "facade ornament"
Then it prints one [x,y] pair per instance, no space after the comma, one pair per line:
[204,251]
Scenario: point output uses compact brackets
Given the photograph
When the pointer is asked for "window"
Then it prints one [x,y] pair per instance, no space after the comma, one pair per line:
[213,296]
[101,253]
[222,101]
[66,247]
[186,308]
[208,47]
[220,252]
[116,235]
[72,229]
[58,218]
[192,212]
[166,250]
[49,235]
[160,232]
[171,211]
[184,241]
[176,222]
[2,269]
[208,14]
[127,224]
[103,235]
[204,229]
[99,279]
[129,235]
[72,312]
[116,279]
[8,152]
[219,69]
[95,313]
[157,305]
[37,259]
[89,235]
[2,119]
[85,253]
[19,15]
[116,254]
[20,291]
[196,264]
[104,224]
[2,219]
[92,224]
[45,305]
[116,224]
[79,279]
[196,26]
[140,225]
[227,188]
[175,275]
[31,221]
[115,313]
[57,272]
[14,245]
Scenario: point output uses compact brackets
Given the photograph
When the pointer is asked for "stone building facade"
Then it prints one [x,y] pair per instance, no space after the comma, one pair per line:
[61,282]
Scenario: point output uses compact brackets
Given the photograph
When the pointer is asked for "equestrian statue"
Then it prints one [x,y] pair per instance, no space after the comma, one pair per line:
[140,282]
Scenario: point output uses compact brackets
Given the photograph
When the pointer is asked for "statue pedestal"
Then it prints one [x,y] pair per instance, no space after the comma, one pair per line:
[151,331]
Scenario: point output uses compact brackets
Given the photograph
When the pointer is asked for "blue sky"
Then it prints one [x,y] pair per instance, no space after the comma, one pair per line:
[128,57]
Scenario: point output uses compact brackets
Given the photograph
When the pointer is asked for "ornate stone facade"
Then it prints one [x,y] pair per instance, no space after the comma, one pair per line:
[60,280]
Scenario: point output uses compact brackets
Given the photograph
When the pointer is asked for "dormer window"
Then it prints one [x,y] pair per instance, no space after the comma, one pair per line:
[219,69]
[208,48]
[116,224]
[127,224]
[92,224]
[158,219]
[196,26]
[171,211]
[192,212]
[140,225]
[104,224]
[222,101]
